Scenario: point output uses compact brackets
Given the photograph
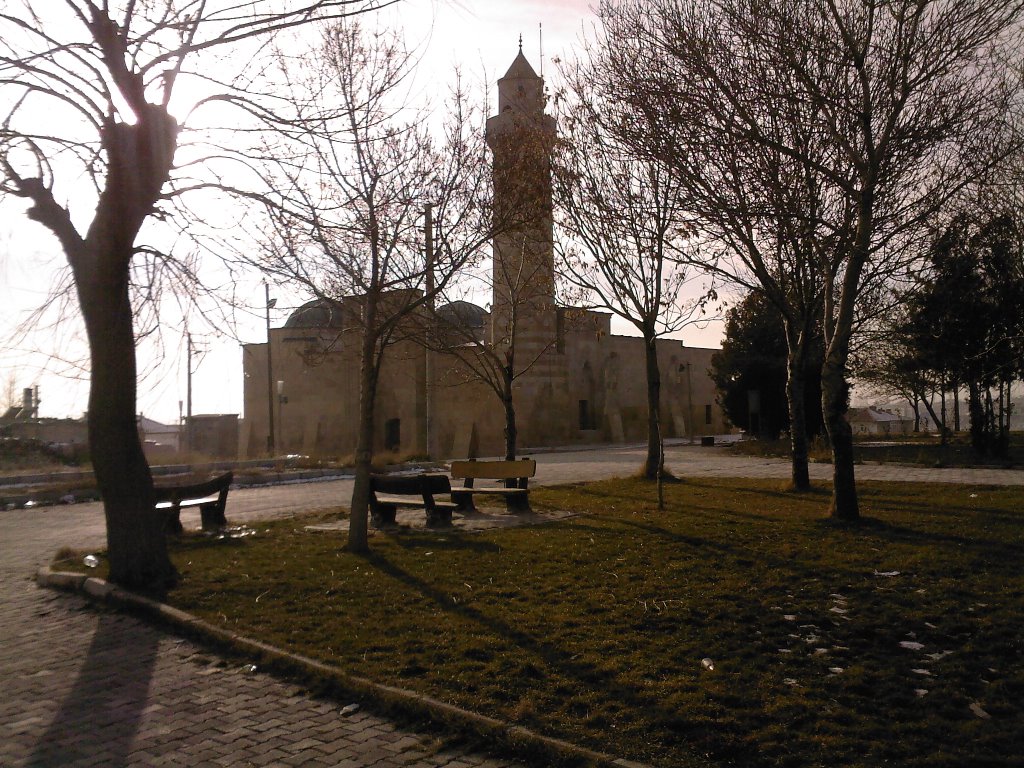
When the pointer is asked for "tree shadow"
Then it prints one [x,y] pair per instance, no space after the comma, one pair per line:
[99,719]
[589,677]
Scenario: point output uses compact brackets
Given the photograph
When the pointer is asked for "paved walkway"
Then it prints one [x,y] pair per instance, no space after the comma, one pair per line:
[84,687]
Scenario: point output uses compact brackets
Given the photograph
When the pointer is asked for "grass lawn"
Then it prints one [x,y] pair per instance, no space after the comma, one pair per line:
[925,450]
[896,642]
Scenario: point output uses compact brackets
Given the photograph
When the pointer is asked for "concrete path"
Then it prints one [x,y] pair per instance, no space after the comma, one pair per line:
[82,687]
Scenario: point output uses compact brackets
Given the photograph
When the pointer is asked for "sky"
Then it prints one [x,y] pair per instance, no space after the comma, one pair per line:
[480,36]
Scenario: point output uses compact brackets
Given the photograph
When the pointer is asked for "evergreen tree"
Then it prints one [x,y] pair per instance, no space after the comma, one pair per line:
[753,359]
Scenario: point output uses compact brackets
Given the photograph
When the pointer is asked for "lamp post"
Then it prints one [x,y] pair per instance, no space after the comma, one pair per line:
[281,400]
[428,394]
[689,401]
[270,375]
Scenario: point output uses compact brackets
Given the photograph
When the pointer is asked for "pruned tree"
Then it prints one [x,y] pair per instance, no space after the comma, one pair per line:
[624,234]
[887,108]
[351,181]
[88,141]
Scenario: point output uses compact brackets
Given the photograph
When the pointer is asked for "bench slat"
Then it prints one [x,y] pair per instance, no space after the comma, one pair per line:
[188,502]
[494,470]
[495,489]
[411,501]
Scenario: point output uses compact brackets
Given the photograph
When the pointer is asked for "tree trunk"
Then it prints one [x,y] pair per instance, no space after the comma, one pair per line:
[838,322]
[956,406]
[511,431]
[136,542]
[977,417]
[358,539]
[834,394]
[942,401]
[795,394]
[915,407]
[653,409]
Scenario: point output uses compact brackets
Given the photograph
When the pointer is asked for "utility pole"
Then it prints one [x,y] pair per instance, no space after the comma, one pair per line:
[428,398]
[188,395]
[689,400]
[270,376]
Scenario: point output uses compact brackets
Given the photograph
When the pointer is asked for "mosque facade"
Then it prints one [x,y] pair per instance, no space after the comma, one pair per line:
[579,383]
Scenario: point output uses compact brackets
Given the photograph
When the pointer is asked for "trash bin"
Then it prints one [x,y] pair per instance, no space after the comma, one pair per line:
[707,440]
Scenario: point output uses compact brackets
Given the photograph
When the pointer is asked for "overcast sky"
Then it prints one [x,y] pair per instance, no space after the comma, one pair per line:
[481,36]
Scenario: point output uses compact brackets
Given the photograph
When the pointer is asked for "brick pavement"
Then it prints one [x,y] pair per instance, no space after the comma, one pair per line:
[85,687]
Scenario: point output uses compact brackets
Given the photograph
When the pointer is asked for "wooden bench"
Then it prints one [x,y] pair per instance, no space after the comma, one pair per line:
[211,496]
[514,477]
[389,492]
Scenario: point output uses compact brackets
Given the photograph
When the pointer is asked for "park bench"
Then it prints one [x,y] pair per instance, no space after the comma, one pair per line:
[513,476]
[389,492]
[211,496]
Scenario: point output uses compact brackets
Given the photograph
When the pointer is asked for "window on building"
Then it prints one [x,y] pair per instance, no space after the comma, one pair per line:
[587,420]
[707,414]
[392,434]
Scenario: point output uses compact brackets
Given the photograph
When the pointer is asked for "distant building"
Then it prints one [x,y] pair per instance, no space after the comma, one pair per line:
[213,436]
[26,412]
[159,439]
[587,385]
[875,421]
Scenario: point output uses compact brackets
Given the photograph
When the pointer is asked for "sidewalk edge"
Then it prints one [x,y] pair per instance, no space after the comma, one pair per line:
[516,739]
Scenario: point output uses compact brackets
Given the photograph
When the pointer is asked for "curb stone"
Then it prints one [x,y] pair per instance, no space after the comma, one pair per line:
[514,737]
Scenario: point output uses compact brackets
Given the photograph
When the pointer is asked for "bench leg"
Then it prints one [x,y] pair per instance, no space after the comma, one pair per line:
[519,502]
[465,501]
[172,523]
[213,517]
[439,518]
[383,515]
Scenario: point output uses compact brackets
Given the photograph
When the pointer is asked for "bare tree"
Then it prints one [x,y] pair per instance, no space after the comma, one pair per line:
[905,103]
[9,397]
[493,356]
[624,229]
[754,210]
[89,124]
[351,184]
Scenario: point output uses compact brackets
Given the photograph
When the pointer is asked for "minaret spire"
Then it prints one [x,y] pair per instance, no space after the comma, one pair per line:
[520,42]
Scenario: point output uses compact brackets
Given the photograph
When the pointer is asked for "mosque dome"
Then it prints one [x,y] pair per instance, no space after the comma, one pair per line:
[464,314]
[319,313]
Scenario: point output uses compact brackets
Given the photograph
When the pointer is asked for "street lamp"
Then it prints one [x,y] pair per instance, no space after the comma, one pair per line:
[281,400]
[271,303]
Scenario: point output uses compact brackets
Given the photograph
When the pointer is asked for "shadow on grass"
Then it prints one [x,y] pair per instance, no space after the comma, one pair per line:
[587,675]
[436,539]
[991,549]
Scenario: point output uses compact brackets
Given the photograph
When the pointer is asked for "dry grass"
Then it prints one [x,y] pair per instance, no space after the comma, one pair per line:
[923,450]
[593,629]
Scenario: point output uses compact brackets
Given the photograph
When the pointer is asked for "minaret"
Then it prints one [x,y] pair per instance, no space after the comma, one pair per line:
[521,136]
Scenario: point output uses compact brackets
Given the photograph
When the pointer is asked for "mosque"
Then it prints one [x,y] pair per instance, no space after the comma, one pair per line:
[576,382]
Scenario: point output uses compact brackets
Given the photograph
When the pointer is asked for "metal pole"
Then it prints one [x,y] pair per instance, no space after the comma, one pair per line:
[689,399]
[270,379]
[188,396]
[428,398]
[280,414]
